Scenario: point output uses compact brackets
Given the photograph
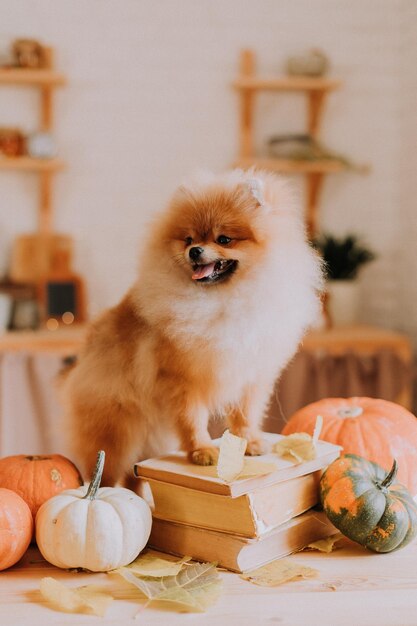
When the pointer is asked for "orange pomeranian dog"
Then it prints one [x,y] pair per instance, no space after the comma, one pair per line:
[227,286]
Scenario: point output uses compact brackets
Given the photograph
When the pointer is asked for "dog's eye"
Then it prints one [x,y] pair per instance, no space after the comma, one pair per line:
[223,240]
[188,241]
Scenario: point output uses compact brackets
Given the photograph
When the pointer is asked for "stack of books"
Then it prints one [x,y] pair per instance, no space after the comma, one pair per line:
[243,524]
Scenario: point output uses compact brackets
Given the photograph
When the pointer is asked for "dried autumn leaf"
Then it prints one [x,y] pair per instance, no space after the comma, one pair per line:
[88,599]
[299,446]
[317,428]
[278,572]
[326,545]
[151,564]
[254,467]
[195,587]
[231,456]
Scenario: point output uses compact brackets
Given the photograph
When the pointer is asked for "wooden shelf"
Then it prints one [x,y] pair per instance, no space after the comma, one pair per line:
[63,340]
[44,80]
[27,164]
[286,83]
[289,166]
[316,91]
[21,76]
[360,338]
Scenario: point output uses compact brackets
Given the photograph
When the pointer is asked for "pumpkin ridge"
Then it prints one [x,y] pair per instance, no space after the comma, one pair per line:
[378,438]
[16,527]
[122,520]
[388,541]
[332,434]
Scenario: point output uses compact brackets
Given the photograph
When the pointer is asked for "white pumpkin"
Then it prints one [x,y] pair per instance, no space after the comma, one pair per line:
[98,529]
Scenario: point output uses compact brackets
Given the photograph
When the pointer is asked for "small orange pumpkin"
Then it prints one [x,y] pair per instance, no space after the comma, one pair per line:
[16,528]
[377,430]
[38,478]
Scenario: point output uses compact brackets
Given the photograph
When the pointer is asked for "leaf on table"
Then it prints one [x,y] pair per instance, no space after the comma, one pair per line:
[152,564]
[195,587]
[299,446]
[231,456]
[278,572]
[254,467]
[88,599]
[326,545]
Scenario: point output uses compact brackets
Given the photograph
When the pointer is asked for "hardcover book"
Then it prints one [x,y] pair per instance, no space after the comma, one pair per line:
[238,553]
[177,470]
[249,515]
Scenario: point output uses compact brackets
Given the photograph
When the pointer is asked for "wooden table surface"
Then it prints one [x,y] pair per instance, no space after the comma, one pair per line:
[354,587]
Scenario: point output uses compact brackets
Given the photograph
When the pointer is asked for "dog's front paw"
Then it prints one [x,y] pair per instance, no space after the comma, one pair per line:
[204,456]
[256,447]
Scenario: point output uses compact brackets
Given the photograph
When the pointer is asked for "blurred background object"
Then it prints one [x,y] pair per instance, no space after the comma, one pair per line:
[41,146]
[28,53]
[312,63]
[343,258]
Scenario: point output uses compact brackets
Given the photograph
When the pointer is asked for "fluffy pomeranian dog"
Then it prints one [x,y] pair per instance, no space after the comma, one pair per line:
[227,286]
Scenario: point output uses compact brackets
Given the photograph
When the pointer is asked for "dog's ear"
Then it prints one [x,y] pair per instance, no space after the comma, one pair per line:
[256,190]
[184,193]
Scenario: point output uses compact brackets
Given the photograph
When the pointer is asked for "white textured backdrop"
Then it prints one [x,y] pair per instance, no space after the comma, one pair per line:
[149,100]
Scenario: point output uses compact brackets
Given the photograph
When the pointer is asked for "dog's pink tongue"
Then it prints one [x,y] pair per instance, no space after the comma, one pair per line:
[203,270]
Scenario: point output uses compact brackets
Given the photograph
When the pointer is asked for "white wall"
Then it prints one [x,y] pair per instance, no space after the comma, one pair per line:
[149,99]
[406,258]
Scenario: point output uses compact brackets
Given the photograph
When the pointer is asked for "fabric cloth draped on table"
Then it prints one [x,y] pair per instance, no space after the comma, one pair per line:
[313,376]
[31,417]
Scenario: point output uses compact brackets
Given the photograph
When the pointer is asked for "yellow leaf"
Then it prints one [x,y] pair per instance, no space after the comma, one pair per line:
[326,545]
[231,456]
[278,572]
[151,564]
[299,446]
[317,428]
[86,599]
[196,587]
[253,467]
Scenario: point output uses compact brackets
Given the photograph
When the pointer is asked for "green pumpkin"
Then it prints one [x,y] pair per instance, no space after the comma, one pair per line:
[366,505]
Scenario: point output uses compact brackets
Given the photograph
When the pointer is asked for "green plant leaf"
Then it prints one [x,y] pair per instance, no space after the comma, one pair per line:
[343,257]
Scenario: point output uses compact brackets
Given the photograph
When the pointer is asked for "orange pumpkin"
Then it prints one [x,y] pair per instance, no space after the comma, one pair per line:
[38,478]
[377,430]
[16,527]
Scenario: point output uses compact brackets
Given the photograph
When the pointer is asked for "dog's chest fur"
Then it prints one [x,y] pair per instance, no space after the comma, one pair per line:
[232,348]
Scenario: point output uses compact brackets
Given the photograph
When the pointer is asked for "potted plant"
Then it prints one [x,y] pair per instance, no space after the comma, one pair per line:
[343,257]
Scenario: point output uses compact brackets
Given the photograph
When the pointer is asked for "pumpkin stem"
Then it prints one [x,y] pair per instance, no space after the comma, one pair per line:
[350,411]
[390,477]
[96,480]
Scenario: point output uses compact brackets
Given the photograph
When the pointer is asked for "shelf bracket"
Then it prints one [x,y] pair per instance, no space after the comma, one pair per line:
[315,110]
[247,97]
[45,203]
[45,179]
[46,93]
[314,182]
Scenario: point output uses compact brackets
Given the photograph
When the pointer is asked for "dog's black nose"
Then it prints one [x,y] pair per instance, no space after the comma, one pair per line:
[195,252]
